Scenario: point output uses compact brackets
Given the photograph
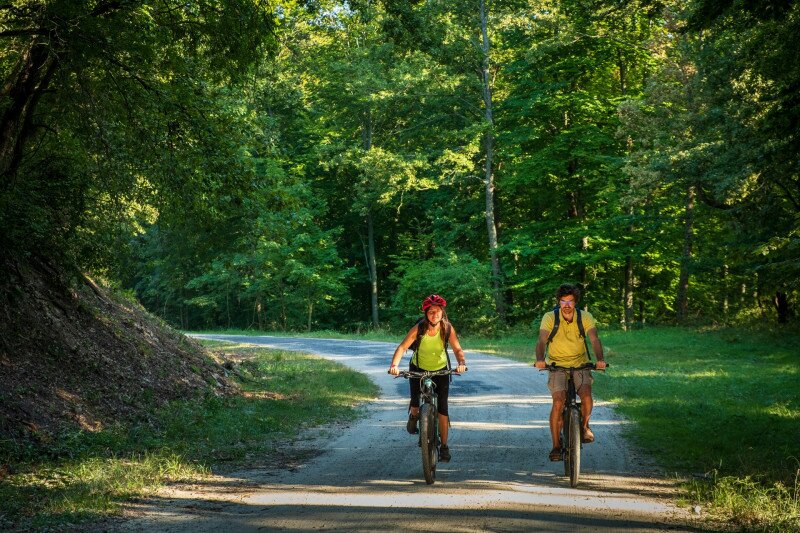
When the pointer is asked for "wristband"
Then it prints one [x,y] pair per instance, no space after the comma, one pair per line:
[393,366]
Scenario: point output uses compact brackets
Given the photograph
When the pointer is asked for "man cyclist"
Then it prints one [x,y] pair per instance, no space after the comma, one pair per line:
[568,349]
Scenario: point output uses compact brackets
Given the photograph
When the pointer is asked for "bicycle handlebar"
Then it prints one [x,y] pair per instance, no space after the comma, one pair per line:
[424,374]
[552,367]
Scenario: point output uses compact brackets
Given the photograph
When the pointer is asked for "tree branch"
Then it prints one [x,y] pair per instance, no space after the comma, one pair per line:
[24,32]
[788,193]
[104,8]
[709,199]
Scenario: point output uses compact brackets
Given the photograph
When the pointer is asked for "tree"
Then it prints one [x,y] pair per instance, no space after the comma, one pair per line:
[89,90]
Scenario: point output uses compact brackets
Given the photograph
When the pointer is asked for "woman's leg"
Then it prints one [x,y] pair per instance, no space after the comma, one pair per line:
[442,394]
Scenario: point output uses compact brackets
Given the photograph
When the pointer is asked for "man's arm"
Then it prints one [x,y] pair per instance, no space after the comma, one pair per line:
[597,348]
[543,336]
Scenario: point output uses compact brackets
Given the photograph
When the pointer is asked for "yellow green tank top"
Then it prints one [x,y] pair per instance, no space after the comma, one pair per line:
[431,354]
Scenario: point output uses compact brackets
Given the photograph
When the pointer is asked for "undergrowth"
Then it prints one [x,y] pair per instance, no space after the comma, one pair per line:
[87,475]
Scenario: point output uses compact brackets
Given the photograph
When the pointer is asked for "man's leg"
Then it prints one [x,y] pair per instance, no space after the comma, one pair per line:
[556,418]
[585,392]
[444,424]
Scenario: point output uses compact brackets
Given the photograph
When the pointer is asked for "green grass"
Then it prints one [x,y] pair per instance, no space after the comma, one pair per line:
[718,407]
[88,475]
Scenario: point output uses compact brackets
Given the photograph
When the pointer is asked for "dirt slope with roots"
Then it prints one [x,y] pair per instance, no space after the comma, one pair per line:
[75,356]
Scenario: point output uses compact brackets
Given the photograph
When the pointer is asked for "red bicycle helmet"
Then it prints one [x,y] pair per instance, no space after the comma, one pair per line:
[433,299]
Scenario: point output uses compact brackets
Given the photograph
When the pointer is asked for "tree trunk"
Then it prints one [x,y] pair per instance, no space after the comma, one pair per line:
[627,297]
[366,130]
[258,313]
[310,314]
[366,138]
[21,93]
[782,306]
[682,299]
[725,300]
[282,290]
[228,306]
[488,143]
[628,294]
[576,211]
[373,269]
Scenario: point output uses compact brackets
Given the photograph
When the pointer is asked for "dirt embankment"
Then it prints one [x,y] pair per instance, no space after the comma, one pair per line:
[75,356]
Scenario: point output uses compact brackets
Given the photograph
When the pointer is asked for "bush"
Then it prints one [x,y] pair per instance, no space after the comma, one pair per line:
[462,280]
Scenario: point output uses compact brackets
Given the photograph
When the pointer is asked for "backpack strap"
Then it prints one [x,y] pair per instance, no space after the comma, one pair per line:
[556,320]
[582,333]
[447,333]
[415,345]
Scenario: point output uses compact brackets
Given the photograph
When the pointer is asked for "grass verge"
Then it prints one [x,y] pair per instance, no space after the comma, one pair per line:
[89,475]
[719,407]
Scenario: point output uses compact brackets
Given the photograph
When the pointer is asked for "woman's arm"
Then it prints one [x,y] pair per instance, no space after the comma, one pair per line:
[457,350]
[411,336]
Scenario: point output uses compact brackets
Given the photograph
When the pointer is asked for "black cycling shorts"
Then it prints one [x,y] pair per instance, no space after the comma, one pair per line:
[442,389]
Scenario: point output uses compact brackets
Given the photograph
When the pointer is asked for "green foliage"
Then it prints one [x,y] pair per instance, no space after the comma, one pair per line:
[749,503]
[127,117]
[240,164]
[461,278]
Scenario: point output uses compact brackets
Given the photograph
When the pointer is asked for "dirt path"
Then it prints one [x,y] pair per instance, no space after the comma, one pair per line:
[369,476]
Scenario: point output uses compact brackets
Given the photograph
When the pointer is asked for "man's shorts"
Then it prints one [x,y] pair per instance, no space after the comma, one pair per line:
[558,380]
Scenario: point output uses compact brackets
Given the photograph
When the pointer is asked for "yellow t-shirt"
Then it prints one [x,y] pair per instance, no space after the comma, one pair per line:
[431,354]
[568,348]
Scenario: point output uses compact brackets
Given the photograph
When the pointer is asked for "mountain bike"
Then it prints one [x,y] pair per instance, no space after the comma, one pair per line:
[428,419]
[571,424]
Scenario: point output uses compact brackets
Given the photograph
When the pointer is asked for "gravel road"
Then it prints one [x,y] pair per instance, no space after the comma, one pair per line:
[369,475]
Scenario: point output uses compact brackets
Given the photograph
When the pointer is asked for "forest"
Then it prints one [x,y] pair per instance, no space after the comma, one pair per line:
[304,165]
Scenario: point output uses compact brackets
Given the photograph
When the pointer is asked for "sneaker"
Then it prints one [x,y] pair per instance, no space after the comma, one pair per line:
[411,425]
[444,454]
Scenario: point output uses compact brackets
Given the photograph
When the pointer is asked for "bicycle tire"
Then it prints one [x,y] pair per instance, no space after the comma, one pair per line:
[564,436]
[427,433]
[574,447]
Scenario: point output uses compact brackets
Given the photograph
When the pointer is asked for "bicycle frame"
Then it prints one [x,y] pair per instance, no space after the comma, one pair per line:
[428,419]
[571,424]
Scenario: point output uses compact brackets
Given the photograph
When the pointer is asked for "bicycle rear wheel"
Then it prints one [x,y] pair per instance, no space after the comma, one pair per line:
[564,436]
[427,433]
[574,447]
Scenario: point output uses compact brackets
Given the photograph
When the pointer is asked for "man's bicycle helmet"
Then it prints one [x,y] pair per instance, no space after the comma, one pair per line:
[433,299]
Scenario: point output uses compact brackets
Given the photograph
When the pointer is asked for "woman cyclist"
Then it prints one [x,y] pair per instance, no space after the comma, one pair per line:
[431,355]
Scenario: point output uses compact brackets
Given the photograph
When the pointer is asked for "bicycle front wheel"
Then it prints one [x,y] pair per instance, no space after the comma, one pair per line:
[427,433]
[574,447]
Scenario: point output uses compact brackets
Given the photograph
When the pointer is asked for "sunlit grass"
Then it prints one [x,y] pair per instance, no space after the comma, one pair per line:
[67,492]
[89,475]
[719,407]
